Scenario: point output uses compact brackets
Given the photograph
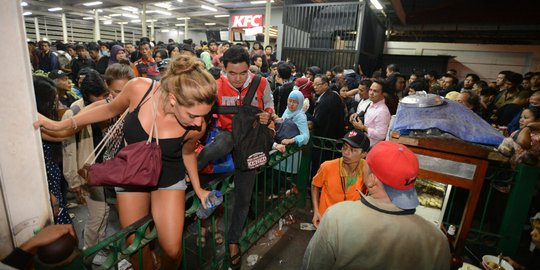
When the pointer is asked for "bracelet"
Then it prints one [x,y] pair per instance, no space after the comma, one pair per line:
[73,123]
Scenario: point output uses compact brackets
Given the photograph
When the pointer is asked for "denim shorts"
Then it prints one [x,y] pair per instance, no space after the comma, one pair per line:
[180,185]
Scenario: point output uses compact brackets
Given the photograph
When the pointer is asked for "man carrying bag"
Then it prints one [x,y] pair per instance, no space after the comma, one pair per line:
[237,134]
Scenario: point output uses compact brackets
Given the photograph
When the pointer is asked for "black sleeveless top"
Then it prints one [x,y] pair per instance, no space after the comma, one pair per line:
[171,149]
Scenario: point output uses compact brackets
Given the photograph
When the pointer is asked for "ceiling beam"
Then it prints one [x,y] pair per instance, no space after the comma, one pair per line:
[399,11]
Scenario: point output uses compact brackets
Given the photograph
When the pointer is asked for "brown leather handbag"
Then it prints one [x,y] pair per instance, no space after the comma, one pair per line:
[137,164]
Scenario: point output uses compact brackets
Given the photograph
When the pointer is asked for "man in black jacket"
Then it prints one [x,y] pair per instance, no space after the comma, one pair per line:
[281,94]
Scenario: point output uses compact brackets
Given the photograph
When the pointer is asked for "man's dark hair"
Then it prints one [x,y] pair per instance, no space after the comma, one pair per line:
[80,47]
[367,83]
[254,58]
[144,39]
[393,67]
[523,94]
[269,46]
[383,84]
[474,77]
[419,85]
[212,41]
[284,71]
[454,79]
[128,43]
[92,46]
[489,91]
[514,78]
[143,43]
[472,99]
[337,69]
[506,73]
[92,85]
[482,84]
[235,54]
[44,41]
[323,78]
[433,74]
[274,65]
[162,52]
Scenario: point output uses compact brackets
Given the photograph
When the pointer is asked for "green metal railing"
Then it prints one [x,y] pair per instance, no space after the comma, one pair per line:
[276,192]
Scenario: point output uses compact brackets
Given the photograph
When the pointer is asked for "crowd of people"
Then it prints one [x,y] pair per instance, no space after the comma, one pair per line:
[89,86]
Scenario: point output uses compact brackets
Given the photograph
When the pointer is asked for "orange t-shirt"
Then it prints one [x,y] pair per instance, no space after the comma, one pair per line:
[329,180]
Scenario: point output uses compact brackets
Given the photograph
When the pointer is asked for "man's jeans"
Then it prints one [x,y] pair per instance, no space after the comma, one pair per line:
[243,181]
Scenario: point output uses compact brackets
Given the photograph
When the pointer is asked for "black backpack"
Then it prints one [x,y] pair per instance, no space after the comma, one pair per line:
[252,140]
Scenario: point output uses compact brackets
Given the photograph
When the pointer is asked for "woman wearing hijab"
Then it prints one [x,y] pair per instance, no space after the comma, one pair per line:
[118,55]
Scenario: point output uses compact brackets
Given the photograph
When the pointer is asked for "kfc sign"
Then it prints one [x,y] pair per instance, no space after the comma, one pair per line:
[247,21]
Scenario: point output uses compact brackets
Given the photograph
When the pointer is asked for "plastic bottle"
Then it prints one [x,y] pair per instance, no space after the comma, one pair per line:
[214,199]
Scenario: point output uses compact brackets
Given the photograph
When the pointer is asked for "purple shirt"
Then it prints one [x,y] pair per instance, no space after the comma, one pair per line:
[377,119]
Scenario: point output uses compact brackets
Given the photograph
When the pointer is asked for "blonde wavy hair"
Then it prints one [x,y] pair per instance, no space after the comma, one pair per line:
[187,79]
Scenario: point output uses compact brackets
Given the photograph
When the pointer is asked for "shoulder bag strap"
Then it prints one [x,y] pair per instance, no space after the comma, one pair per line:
[153,128]
[101,145]
[252,90]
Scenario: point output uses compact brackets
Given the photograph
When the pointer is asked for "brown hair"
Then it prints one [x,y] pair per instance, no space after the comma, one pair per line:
[187,79]
[118,72]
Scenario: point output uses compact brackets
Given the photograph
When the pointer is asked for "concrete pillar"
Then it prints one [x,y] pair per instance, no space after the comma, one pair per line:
[64,28]
[143,21]
[185,29]
[122,32]
[24,195]
[152,33]
[36,25]
[267,14]
[97,34]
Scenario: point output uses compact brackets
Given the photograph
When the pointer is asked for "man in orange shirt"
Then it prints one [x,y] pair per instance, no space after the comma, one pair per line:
[340,179]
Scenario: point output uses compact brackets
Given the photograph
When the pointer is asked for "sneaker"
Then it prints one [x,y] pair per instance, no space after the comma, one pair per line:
[124,265]
[100,258]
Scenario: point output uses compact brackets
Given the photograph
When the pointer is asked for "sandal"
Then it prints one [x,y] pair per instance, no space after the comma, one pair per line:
[236,257]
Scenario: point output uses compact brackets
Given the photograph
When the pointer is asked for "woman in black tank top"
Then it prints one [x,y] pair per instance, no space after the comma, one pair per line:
[184,96]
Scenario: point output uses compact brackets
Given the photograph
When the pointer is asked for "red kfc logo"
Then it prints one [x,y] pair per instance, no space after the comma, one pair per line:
[247,21]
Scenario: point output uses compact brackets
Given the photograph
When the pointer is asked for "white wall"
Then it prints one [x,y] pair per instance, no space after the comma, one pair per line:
[486,60]
[195,35]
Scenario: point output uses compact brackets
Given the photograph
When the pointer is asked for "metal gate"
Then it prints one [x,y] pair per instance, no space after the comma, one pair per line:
[322,35]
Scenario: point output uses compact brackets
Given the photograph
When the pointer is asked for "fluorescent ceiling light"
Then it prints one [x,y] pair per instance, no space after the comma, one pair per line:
[260,2]
[123,23]
[107,22]
[159,12]
[183,18]
[24,4]
[27,13]
[180,1]
[222,16]
[132,9]
[88,18]
[376,4]
[135,21]
[115,15]
[129,15]
[180,24]
[89,4]
[210,23]
[165,5]
[54,9]
[164,30]
[208,8]
[151,20]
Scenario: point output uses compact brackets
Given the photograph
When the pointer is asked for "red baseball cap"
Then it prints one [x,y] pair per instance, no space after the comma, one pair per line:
[397,167]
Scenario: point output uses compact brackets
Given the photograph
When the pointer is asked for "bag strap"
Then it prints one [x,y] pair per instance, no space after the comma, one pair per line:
[101,145]
[247,98]
[153,128]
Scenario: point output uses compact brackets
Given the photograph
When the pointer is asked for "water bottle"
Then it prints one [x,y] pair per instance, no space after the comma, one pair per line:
[213,200]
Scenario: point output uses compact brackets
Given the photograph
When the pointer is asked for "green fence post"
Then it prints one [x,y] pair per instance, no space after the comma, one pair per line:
[517,208]
[303,175]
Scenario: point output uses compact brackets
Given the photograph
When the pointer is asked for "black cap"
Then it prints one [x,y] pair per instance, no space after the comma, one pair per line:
[55,74]
[357,139]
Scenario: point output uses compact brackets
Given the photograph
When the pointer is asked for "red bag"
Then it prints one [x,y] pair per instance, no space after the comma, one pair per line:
[137,164]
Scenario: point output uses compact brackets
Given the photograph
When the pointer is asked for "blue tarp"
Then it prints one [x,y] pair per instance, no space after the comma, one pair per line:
[450,117]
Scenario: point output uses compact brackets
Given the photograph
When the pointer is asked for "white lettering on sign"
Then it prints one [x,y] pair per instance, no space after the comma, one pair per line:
[247,21]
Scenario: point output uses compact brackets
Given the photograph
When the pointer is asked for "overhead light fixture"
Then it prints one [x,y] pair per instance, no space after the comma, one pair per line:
[208,8]
[132,9]
[210,23]
[159,12]
[89,4]
[164,5]
[107,22]
[129,15]
[260,2]
[151,20]
[123,23]
[222,16]
[24,4]
[115,15]
[54,9]
[180,24]
[88,18]
[183,18]
[376,4]
[164,30]
[135,21]
[27,13]
[179,1]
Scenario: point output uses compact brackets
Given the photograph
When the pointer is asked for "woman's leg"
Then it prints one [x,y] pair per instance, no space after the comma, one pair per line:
[133,206]
[168,210]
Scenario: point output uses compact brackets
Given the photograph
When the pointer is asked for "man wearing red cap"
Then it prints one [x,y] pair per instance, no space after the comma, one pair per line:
[380,231]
